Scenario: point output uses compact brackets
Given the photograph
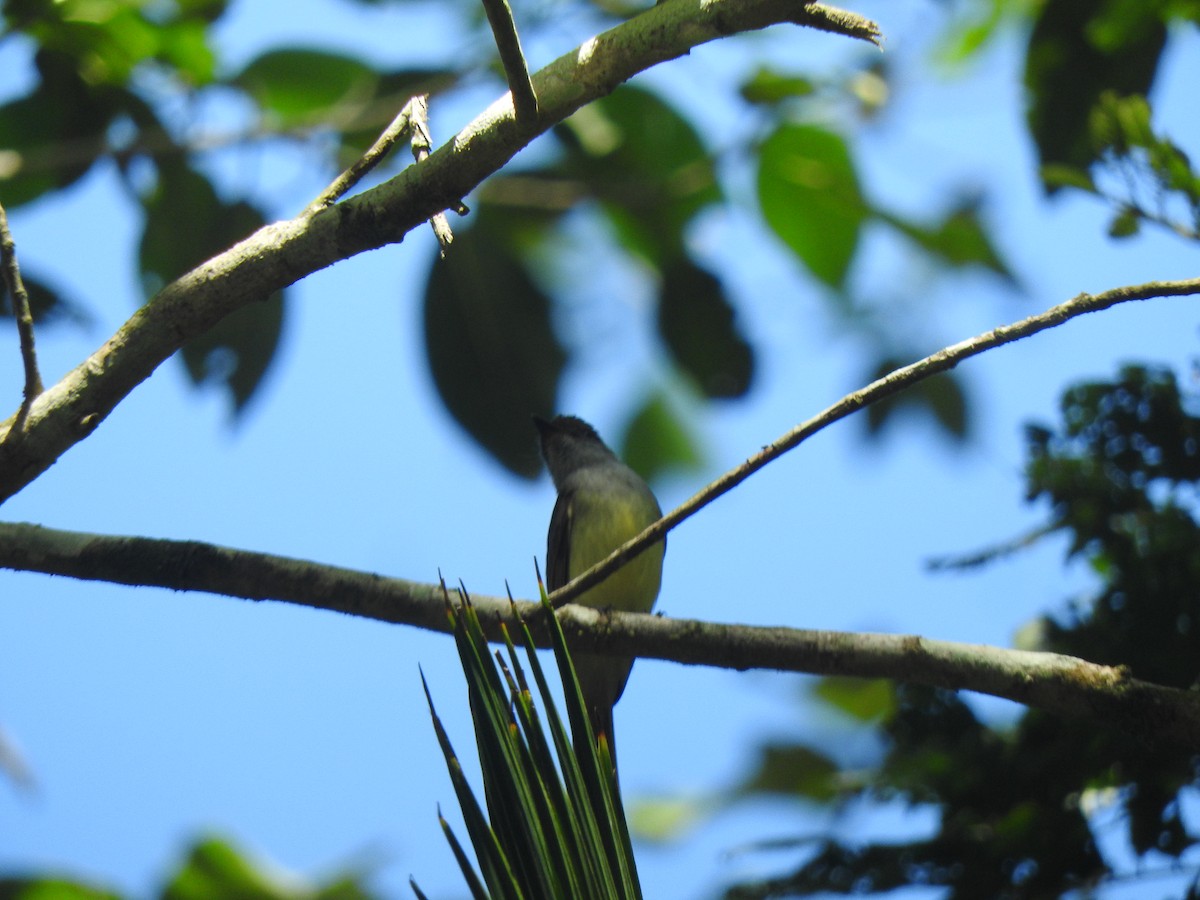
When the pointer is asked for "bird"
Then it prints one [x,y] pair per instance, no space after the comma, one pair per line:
[601,504]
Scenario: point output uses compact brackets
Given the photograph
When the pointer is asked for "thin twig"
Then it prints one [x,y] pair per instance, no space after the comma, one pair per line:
[977,558]
[872,393]
[422,143]
[337,189]
[24,317]
[516,72]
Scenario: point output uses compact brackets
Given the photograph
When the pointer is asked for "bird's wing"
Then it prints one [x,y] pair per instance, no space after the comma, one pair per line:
[558,544]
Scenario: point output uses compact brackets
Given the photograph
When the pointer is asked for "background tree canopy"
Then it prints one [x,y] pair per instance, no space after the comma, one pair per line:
[696,262]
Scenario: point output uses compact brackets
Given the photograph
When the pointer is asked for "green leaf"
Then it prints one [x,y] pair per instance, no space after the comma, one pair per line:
[215,868]
[863,699]
[493,354]
[698,326]
[809,193]
[234,354]
[645,163]
[296,87]
[959,239]
[941,395]
[658,441]
[51,137]
[661,820]
[48,305]
[1125,223]
[1077,52]
[793,770]
[1055,176]
[769,86]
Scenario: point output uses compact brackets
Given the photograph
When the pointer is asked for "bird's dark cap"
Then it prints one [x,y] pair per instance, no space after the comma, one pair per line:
[569,426]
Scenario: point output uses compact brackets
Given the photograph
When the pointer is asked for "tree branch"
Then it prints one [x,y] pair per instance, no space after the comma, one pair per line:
[282,253]
[401,125]
[878,390]
[1052,682]
[516,72]
[11,272]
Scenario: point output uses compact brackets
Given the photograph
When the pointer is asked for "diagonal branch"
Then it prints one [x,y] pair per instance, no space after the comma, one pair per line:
[1053,682]
[512,57]
[401,125]
[282,253]
[885,387]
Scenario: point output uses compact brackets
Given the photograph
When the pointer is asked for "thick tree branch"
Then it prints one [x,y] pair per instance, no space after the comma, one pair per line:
[885,387]
[280,254]
[1049,681]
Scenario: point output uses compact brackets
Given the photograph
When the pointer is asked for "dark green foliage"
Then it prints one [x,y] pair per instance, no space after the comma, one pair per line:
[1077,52]
[493,354]
[1119,474]
[236,352]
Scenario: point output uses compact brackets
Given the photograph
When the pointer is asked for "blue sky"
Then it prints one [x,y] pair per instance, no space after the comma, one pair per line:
[149,717]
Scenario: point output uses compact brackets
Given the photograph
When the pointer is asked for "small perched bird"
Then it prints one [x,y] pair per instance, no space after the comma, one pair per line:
[602,503]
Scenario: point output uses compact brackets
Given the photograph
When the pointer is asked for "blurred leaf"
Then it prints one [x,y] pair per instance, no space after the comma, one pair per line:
[658,441]
[1125,223]
[361,125]
[769,86]
[942,395]
[302,87]
[51,137]
[959,239]
[867,700]
[47,304]
[493,354]
[793,771]
[1078,51]
[978,23]
[1055,176]
[809,193]
[51,889]
[108,41]
[698,326]
[645,163]
[214,868]
[665,819]
[237,351]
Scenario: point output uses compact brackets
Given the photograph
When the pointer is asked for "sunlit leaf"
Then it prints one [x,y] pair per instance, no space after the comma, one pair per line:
[767,86]
[867,700]
[809,193]
[665,819]
[214,868]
